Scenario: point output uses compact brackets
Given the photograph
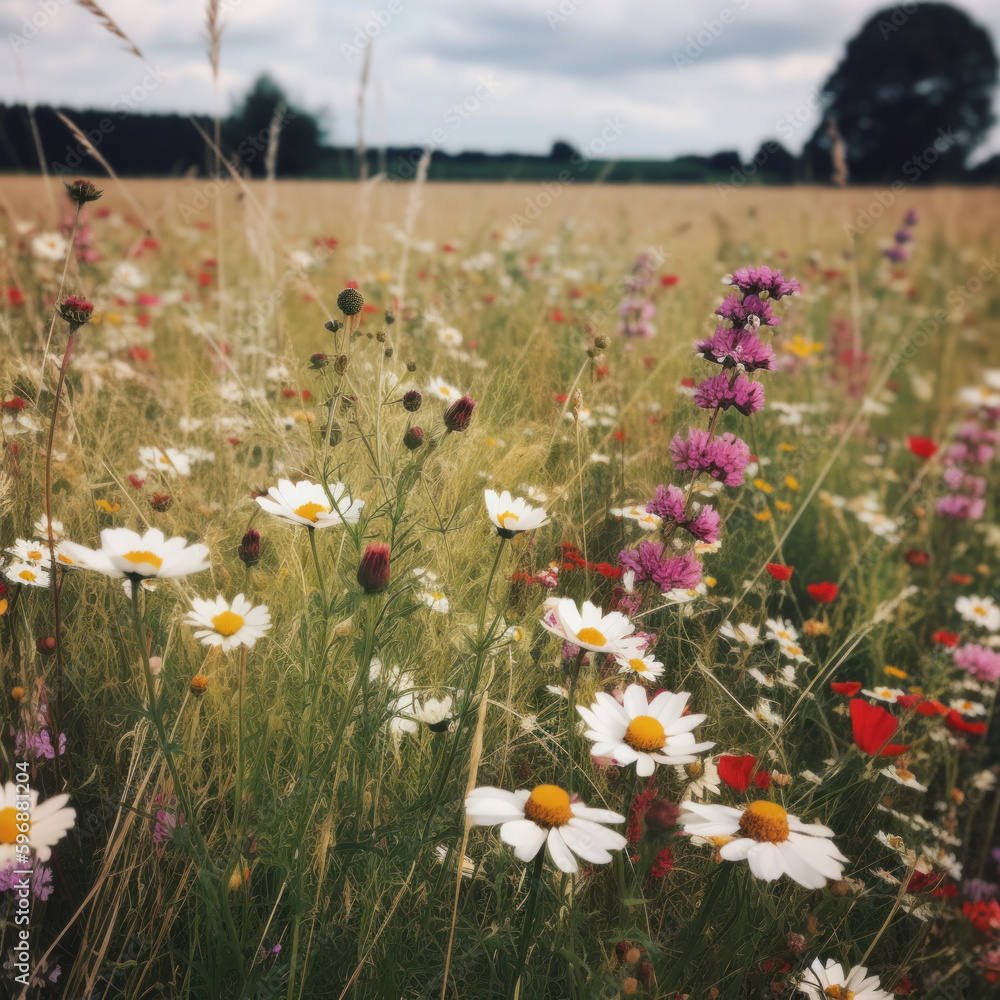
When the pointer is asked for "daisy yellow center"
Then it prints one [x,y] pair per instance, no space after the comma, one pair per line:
[903,774]
[502,518]
[639,666]
[548,806]
[227,623]
[34,554]
[26,574]
[311,510]
[979,610]
[64,559]
[765,822]
[840,992]
[695,769]
[437,595]
[591,636]
[8,825]
[645,733]
[143,557]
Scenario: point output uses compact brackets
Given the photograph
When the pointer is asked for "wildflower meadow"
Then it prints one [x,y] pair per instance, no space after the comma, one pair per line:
[417,591]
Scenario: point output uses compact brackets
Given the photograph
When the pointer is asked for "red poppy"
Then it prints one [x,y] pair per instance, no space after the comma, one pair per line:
[872,727]
[823,592]
[922,705]
[557,316]
[779,572]
[561,397]
[921,447]
[954,721]
[925,881]
[962,579]
[737,772]
[15,297]
[917,557]
[849,688]
[687,382]
[984,916]
[136,481]
[949,639]
[14,403]
[668,280]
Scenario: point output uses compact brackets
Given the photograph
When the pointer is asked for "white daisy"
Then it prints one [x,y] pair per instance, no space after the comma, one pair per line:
[437,388]
[449,336]
[635,661]
[589,627]
[822,981]
[883,693]
[28,574]
[643,732]
[743,632]
[967,707]
[45,824]
[546,815]
[43,528]
[702,777]
[228,625]
[434,713]
[34,552]
[127,553]
[641,516]
[765,713]
[903,777]
[770,840]
[49,246]
[307,503]
[511,515]
[981,611]
[173,461]
[435,600]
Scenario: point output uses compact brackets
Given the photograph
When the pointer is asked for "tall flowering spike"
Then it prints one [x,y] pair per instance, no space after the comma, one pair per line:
[373,570]
[458,415]
[724,458]
[650,562]
[733,347]
[722,392]
[762,281]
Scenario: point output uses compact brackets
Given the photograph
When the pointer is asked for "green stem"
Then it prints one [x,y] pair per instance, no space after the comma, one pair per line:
[529,921]
[571,698]
[319,570]
[239,738]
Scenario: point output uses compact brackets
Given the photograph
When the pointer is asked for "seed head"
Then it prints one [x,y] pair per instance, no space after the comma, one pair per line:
[82,191]
[333,325]
[46,645]
[75,310]
[249,548]
[350,301]
[412,400]
[413,438]
[458,415]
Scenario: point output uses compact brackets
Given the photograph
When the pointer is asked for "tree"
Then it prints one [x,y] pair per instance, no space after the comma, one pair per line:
[247,132]
[911,98]
[562,151]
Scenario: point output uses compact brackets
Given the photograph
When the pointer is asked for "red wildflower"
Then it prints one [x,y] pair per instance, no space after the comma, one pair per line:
[668,280]
[823,592]
[921,705]
[136,482]
[916,557]
[949,639]
[687,382]
[14,403]
[557,316]
[921,447]
[663,862]
[984,916]
[953,720]
[619,435]
[872,727]
[561,397]
[925,881]
[737,772]
[962,579]
[849,688]
[780,572]
[15,297]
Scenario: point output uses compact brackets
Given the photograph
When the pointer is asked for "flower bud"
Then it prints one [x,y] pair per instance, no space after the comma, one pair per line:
[318,361]
[458,415]
[199,684]
[373,571]
[341,363]
[82,191]
[413,438]
[412,400]
[17,693]
[45,645]
[350,301]
[333,325]
[661,815]
[161,502]
[390,317]
[249,549]
[75,310]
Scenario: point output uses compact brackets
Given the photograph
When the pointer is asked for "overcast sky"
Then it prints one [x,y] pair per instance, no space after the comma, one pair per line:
[648,78]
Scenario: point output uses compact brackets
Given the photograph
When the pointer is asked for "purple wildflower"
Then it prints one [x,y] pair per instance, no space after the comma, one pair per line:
[911,218]
[980,661]
[903,236]
[724,458]
[705,525]
[734,348]
[741,311]
[668,503]
[41,881]
[758,280]
[649,563]
[719,392]
[896,253]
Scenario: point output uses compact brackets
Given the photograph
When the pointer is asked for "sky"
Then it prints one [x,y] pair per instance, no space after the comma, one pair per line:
[616,78]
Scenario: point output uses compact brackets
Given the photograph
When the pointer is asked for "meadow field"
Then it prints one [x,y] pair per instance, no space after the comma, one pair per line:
[425,590]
